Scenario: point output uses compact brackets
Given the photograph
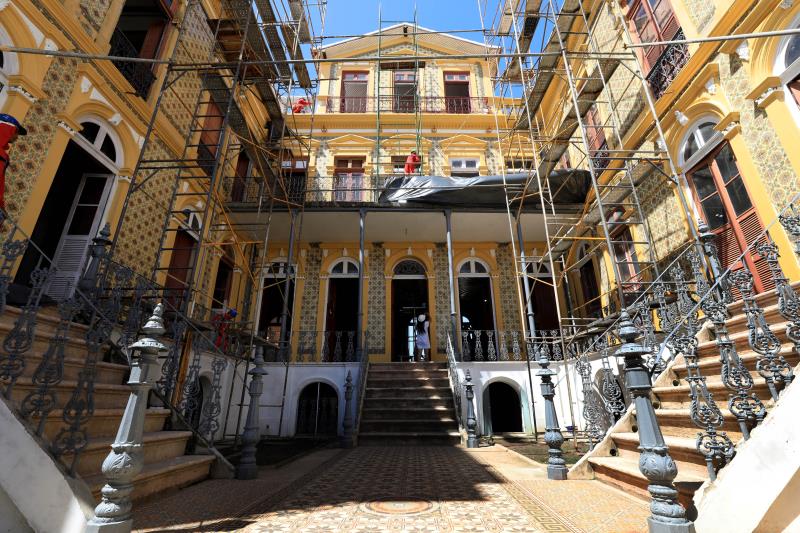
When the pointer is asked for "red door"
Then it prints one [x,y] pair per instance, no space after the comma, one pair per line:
[727,209]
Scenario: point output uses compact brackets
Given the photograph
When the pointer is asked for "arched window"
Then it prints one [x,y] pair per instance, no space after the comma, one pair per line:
[99,139]
[473,268]
[344,268]
[409,268]
[787,67]
[700,137]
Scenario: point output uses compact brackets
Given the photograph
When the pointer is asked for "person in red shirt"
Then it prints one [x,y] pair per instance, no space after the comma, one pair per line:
[10,129]
[300,105]
[412,162]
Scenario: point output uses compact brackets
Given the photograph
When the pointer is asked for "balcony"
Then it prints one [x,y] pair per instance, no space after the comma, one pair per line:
[667,66]
[140,75]
[457,105]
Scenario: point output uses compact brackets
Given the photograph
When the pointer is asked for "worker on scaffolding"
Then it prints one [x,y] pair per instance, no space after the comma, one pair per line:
[10,129]
[300,105]
[412,163]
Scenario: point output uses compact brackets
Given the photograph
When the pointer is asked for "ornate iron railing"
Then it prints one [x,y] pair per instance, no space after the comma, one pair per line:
[492,345]
[455,380]
[139,75]
[332,346]
[668,65]
[459,105]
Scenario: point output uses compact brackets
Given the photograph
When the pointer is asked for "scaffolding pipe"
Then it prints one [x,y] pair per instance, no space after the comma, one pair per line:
[531,324]
[718,39]
[362,215]
[283,345]
[451,272]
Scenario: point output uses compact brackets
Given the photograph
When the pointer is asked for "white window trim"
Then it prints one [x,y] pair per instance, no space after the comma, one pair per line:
[472,261]
[710,144]
[105,131]
[350,269]
[788,72]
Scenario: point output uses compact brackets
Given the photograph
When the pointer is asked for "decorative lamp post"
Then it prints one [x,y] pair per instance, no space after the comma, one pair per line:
[247,468]
[347,422]
[472,423]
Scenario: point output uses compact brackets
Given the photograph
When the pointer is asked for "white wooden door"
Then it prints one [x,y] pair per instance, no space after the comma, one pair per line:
[81,227]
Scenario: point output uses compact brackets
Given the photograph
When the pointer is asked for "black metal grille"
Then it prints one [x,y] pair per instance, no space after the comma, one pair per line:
[140,75]
[668,65]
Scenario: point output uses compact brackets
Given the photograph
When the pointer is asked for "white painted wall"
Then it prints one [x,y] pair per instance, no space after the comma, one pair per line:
[11,519]
[35,485]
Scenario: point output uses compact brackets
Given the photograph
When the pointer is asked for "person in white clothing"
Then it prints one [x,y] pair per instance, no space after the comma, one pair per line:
[423,340]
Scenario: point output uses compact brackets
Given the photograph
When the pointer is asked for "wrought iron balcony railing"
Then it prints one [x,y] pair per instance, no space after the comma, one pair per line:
[140,75]
[668,65]
[459,105]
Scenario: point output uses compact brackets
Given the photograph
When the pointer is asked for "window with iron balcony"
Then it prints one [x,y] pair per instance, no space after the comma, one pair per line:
[654,21]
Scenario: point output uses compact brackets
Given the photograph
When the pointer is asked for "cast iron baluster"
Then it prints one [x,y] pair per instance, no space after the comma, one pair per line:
[716,447]
[209,424]
[593,409]
[557,355]
[134,316]
[668,65]
[169,370]
[98,251]
[478,346]
[337,347]
[667,320]
[465,351]
[791,223]
[323,355]
[644,322]
[745,405]
[20,339]
[80,407]
[610,390]
[771,365]
[556,466]
[12,250]
[491,351]
[788,301]
[655,463]
[347,420]
[41,401]
[191,393]
[515,347]
[351,349]
[501,340]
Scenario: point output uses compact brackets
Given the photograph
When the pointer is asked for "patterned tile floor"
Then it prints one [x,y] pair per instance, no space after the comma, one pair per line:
[398,489]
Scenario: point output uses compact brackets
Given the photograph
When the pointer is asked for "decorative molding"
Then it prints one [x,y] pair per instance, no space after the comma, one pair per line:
[493,252]
[711,86]
[22,91]
[86,84]
[743,51]
[766,92]
[768,96]
[430,253]
[50,45]
[4,4]
[681,118]
[63,125]
[303,253]
[472,252]
[388,252]
[786,4]
[116,119]
[325,252]
[345,252]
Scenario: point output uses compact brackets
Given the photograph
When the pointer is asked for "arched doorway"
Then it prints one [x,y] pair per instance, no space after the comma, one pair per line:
[341,315]
[74,207]
[502,409]
[409,299]
[317,411]
[477,311]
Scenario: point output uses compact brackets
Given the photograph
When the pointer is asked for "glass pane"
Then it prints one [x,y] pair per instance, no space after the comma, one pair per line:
[691,147]
[727,164]
[479,268]
[108,148]
[464,268]
[706,131]
[792,51]
[82,220]
[703,182]
[338,268]
[456,163]
[471,163]
[739,197]
[92,191]
[89,130]
[714,211]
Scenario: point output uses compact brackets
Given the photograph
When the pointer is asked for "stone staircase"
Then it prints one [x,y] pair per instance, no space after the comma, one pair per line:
[615,460]
[408,403]
[166,466]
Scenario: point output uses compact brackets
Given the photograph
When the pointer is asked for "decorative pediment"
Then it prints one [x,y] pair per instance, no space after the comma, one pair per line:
[405,142]
[463,141]
[351,141]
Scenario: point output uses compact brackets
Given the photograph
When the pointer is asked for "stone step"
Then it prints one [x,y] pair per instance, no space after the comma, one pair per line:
[168,475]
[47,320]
[420,382]
[438,438]
[104,422]
[711,366]
[385,375]
[409,403]
[738,322]
[158,446]
[430,393]
[678,396]
[765,299]
[111,373]
[710,348]
[407,366]
[678,423]
[624,474]
[682,449]
[408,426]
[394,413]
[106,395]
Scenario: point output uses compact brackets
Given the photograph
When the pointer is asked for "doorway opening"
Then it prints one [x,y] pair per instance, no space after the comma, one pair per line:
[543,299]
[502,409]
[477,310]
[317,411]
[275,289]
[409,299]
[70,218]
[341,316]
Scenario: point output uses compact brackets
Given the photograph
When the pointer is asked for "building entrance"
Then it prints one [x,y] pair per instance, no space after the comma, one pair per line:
[409,299]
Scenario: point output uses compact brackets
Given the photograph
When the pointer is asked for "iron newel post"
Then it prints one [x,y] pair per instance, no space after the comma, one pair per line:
[556,466]
[247,468]
[666,514]
[472,423]
[126,459]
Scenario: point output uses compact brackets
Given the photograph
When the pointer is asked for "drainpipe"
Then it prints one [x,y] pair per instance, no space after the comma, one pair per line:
[451,272]
[362,215]
[531,323]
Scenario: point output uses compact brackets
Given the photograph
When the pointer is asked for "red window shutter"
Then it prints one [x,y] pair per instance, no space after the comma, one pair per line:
[728,247]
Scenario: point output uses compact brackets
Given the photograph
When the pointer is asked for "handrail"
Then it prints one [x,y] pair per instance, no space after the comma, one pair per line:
[455,381]
[363,368]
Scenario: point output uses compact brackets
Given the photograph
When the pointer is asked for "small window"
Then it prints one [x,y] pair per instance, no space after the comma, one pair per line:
[99,137]
[345,268]
[409,267]
[464,168]
[89,131]
[698,137]
[473,267]
[456,77]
